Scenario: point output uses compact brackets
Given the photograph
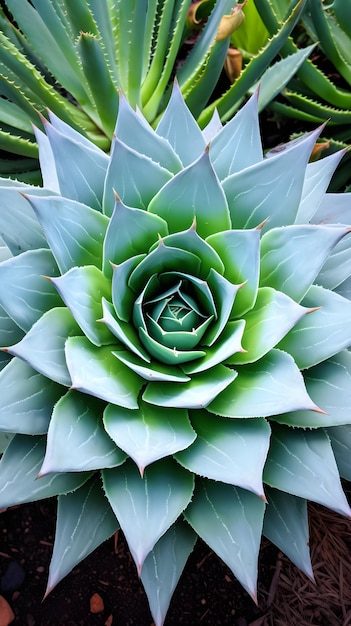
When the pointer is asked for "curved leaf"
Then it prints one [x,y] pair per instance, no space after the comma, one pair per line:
[97,372]
[271,386]
[26,408]
[286,525]
[149,433]
[323,333]
[230,520]
[302,463]
[26,304]
[82,290]
[43,346]
[77,441]
[19,469]
[84,521]
[196,394]
[193,193]
[273,315]
[74,231]
[231,451]
[286,262]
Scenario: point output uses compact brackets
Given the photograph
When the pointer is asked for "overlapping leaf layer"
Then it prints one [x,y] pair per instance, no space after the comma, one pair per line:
[175,327]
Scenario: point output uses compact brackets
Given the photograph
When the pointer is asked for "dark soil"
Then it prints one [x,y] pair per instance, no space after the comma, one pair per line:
[207,594]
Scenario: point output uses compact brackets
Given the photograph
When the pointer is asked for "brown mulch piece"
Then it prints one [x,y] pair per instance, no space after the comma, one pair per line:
[298,601]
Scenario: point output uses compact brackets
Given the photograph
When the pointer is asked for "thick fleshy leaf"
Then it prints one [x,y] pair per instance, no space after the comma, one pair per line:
[231,451]
[123,297]
[340,438]
[169,356]
[337,267]
[162,259]
[240,253]
[82,290]
[196,394]
[25,293]
[324,332]
[230,520]
[302,463]
[286,261]
[43,346]
[238,144]
[19,468]
[271,386]
[226,345]
[149,433]
[74,231]
[136,133]
[26,408]
[334,209]
[130,232]
[124,332]
[97,372]
[286,525]
[153,371]
[273,315]
[271,189]
[193,193]
[80,169]
[147,507]
[14,210]
[224,294]
[174,121]
[317,179]
[135,190]
[329,384]
[163,566]
[84,521]
[189,240]
[47,162]
[10,333]
[77,441]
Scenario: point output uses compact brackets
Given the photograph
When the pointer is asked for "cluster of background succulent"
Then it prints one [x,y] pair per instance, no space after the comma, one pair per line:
[185,323]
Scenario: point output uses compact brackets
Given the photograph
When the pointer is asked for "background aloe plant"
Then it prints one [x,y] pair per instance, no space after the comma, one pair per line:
[175,360]
[320,90]
[72,58]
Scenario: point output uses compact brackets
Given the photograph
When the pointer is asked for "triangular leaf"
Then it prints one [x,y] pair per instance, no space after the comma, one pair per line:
[231,451]
[193,193]
[74,231]
[147,507]
[163,566]
[25,306]
[19,469]
[43,346]
[97,372]
[149,433]
[271,386]
[77,441]
[230,520]
[26,408]
[302,463]
[324,332]
[286,525]
[84,521]
[286,262]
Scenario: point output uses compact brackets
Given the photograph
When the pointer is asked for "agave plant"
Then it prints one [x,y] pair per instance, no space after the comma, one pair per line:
[73,57]
[175,323]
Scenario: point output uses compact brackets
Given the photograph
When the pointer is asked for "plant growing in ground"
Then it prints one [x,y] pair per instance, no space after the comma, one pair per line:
[175,332]
[73,57]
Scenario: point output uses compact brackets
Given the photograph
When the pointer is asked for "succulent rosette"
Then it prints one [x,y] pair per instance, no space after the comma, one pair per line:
[175,323]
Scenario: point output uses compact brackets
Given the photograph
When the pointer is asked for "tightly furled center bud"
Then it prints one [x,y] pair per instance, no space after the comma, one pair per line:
[176,310]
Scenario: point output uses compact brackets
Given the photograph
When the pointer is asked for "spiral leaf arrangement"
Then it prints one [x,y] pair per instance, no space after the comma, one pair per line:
[175,324]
